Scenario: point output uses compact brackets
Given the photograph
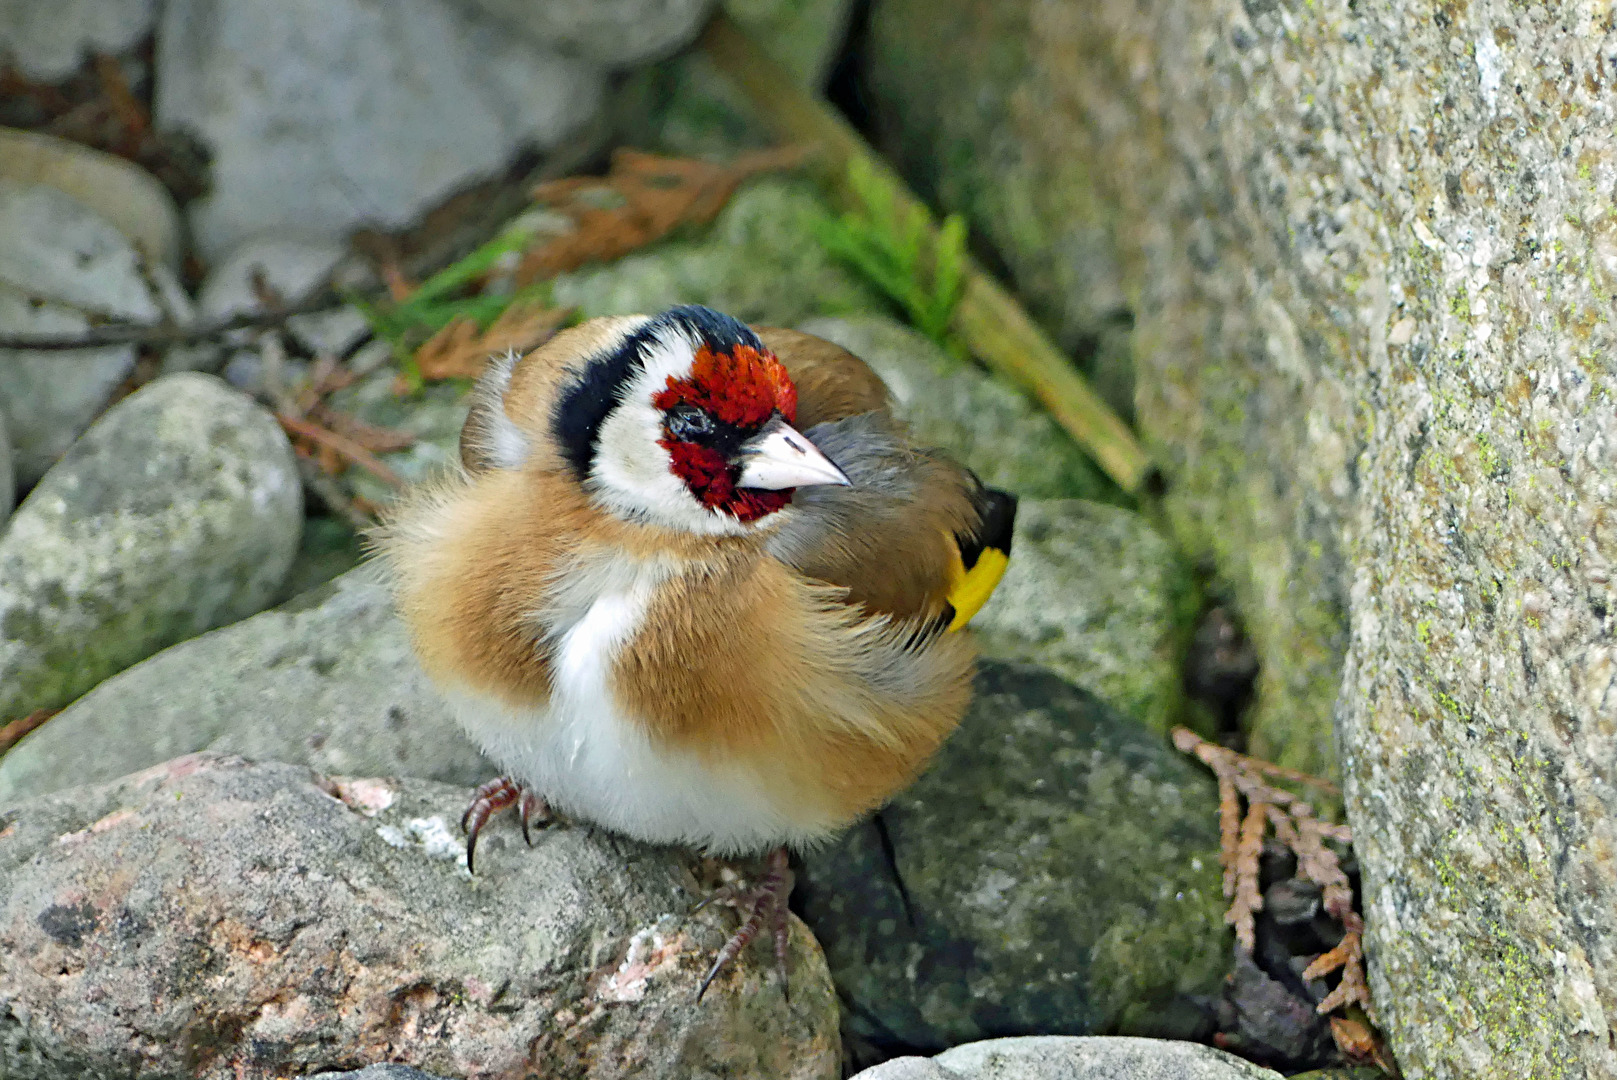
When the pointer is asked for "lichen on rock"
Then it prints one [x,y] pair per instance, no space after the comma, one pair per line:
[1367,251]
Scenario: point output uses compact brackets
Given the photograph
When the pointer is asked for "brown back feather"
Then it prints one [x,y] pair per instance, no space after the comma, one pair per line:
[889,539]
[831,381]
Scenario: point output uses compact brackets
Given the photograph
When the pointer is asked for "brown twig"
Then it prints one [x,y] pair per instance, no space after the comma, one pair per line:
[643,199]
[1295,826]
[337,500]
[101,337]
[342,445]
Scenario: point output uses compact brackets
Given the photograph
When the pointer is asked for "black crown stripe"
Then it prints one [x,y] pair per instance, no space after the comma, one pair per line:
[584,406]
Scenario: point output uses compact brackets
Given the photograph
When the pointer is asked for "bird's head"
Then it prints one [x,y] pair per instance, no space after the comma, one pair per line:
[685,420]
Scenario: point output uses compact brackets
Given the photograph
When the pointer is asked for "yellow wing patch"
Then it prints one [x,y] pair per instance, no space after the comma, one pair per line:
[970,589]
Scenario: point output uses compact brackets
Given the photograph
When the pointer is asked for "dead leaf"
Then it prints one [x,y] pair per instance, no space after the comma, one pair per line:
[1362,1044]
[643,199]
[1295,826]
[460,350]
[12,733]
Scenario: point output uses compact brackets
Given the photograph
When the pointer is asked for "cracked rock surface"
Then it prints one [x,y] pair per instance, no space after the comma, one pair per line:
[1054,871]
[214,918]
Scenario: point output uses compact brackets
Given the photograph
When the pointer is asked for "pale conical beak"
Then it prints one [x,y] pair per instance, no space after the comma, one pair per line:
[780,457]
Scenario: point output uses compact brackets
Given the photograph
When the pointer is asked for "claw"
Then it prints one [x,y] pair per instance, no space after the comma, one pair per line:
[499,794]
[531,807]
[768,902]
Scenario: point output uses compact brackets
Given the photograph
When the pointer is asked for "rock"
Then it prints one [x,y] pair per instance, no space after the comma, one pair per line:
[1059,870]
[8,478]
[59,263]
[178,511]
[686,107]
[1099,597]
[613,33]
[327,681]
[214,918]
[1376,354]
[47,42]
[126,196]
[57,249]
[323,115]
[1058,1057]
[382,1072]
[1007,440]
[48,398]
[759,261]
[294,269]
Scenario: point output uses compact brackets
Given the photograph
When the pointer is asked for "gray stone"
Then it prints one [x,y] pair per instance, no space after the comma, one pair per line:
[1055,1057]
[123,194]
[1368,252]
[686,107]
[381,1072]
[48,42]
[613,33]
[1007,440]
[1059,870]
[323,115]
[1096,595]
[179,510]
[1058,1057]
[56,248]
[212,918]
[327,681]
[8,478]
[49,398]
[60,265]
[759,261]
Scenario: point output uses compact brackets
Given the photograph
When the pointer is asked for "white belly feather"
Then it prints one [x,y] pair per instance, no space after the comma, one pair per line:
[591,761]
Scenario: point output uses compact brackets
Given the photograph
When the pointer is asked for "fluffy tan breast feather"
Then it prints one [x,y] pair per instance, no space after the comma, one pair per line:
[746,661]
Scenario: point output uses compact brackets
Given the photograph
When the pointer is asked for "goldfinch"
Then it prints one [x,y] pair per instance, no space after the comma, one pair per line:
[693,584]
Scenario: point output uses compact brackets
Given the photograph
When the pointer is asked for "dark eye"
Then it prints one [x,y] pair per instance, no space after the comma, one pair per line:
[687,423]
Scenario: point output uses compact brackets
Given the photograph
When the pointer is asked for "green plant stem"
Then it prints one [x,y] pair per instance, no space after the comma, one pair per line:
[988,319]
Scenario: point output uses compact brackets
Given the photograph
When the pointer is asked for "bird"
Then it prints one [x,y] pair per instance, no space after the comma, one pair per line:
[692,582]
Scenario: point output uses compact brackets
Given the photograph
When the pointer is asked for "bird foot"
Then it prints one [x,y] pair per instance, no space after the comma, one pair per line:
[498,794]
[765,902]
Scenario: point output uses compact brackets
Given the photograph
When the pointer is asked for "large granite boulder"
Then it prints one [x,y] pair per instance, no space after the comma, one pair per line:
[178,511]
[213,918]
[1367,254]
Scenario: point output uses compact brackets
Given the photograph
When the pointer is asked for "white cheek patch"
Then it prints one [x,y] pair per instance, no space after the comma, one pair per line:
[631,474]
